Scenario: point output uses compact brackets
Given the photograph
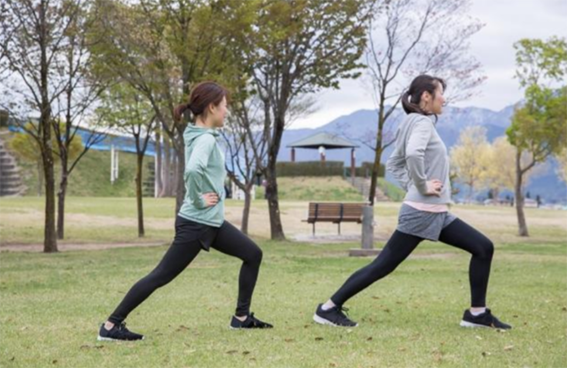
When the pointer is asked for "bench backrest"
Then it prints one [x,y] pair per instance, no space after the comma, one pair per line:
[327,210]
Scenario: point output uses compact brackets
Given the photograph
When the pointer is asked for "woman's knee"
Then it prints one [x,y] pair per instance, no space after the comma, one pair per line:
[255,255]
[486,249]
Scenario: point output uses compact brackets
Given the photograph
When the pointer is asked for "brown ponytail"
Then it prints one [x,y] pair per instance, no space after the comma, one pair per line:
[412,97]
[202,96]
[179,111]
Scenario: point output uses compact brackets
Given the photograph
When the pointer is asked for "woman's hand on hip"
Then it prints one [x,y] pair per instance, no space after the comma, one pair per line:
[211,199]
[434,187]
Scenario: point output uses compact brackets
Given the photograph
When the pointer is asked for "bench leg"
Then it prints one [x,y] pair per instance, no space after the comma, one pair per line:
[339,228]
[313,229]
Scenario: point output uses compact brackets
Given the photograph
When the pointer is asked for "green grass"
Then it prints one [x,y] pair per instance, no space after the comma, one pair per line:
[391,190]
[88,220]
[52,305]
[91,177]
[335,188]
[311,188]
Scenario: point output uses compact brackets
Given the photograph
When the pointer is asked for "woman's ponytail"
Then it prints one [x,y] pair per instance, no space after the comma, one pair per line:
[202,95]
[411,98]
[179,111]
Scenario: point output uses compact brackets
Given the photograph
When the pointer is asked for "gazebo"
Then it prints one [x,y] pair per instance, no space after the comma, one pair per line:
[325,141]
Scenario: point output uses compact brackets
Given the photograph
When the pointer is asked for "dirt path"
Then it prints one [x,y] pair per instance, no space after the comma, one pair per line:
[37,248]
[67,247]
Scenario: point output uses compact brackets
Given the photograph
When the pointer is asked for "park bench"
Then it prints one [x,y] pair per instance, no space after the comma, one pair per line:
[334,212]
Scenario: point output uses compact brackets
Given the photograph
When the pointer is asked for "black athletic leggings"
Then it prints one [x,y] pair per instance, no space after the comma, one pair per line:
[189,239]
[399,247]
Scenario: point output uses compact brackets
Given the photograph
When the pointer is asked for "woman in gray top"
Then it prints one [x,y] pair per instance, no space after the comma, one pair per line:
[421,165]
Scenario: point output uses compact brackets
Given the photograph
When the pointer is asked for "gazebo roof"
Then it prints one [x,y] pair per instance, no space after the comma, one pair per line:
[327,140]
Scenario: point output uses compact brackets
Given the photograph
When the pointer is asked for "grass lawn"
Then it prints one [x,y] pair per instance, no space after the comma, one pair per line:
[51,305]
[91,177]
[110,220]
[334,188]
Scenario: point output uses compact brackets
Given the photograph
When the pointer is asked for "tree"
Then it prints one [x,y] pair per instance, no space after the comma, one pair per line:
[538,130]
[125,109]
[82,91]
[539,127]
[470,157]
[298,48]
[26,146]
[163,47]
[413,37]
[501,169]
[32,40]
[245,147]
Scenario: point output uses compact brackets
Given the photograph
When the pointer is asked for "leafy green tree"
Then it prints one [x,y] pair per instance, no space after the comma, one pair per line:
[27,148]
[298,48]
[539,126]
[161,48]
[125,109]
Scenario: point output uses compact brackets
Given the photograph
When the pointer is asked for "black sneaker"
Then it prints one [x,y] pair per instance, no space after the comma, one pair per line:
[485,319]
[118,333]
[333,317]
[250,322]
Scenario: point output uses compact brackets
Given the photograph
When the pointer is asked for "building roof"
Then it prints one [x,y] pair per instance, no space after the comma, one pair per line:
[327,140]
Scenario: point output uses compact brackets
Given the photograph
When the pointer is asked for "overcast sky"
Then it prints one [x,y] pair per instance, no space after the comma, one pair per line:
[506,22]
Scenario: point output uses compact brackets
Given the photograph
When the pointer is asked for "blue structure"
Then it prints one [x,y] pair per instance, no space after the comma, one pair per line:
[128,144]
[121,143]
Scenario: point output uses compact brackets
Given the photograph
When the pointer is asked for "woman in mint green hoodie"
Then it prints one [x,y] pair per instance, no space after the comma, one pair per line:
[200,223]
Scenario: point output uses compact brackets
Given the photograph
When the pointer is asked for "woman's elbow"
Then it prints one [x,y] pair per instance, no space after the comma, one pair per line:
[193,170]
[414,155]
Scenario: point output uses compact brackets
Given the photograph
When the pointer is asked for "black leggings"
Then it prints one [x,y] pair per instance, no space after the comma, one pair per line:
[186,245]
[399,247]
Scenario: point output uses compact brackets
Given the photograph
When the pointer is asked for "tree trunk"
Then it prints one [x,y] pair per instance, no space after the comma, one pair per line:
[374,178]
[39,177]
[158,169]
[50,236]
[522,225]
[61,198]
[276,227]
[139,166]
[378,152]
[246,210]
[179,179]
[166,168]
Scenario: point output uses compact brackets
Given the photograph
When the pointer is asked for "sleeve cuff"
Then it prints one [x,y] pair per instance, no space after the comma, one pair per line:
[421,187]
[199,202]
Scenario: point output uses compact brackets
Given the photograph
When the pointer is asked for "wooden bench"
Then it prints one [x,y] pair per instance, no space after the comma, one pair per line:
[334,212]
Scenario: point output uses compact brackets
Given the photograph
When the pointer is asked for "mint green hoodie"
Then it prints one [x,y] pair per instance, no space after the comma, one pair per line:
[204,173]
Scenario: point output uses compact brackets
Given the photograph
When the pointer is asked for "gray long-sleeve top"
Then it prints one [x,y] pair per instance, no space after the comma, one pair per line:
[419,156]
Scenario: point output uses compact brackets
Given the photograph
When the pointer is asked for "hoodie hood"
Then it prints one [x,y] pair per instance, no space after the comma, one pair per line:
[193,132]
